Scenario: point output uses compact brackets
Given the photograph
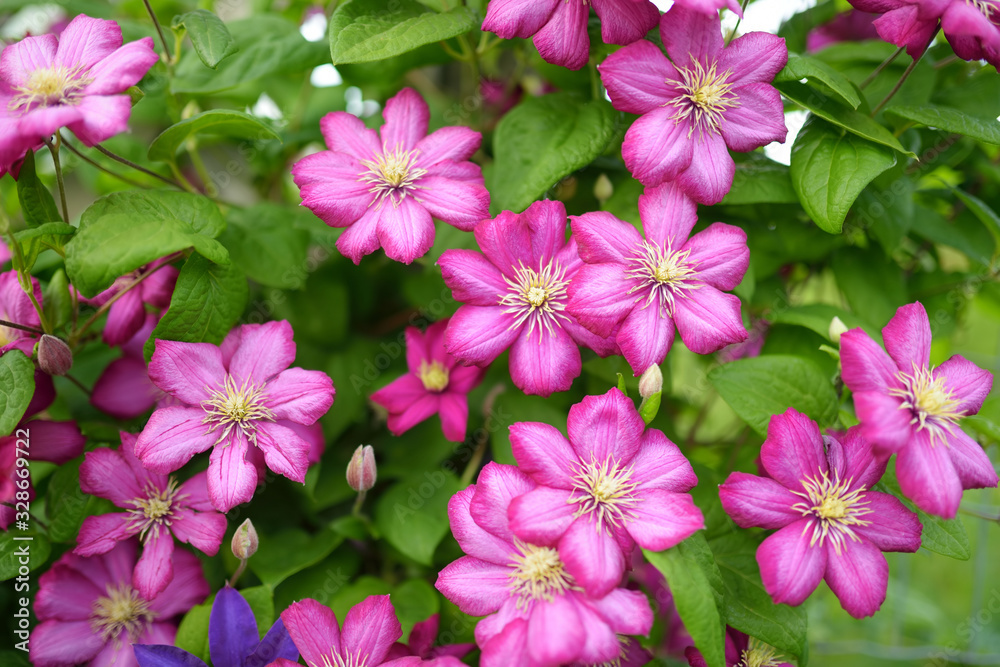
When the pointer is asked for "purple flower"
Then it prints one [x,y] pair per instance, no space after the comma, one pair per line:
[385,186]
[706,98]
[608,487]
[830,525]
[515,295]
[435,384]
[159,509]
[646,287]
[536,613]
[233,640]
[127,314]
[905,406]
[239,401]
[77,80]
[559,27]
[741,651]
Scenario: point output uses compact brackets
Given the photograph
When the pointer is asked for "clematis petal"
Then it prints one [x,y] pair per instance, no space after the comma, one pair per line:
[602,237]
[793,450]
[662,519]
[884,421]
[498,485]
[563,39]
[710,175]
[542,516]
[172,436]
[405,231]
[757,121]
[231,477]
[720,255]
[370,628]
[891,526]
[859,577]
[477,587]
[625,21]
[755,57]
[668,215]
[543,453]
[154,570]
[406,119]
[361,237]
[690,35]
[472,278]
[646,336]
[657,147]
[928,477]
[660,464]
[605,427]
[187,371]
[636,77]
[346,133]
[593,556]
[708,320]
[478,335]
[474,539]
[599,297]
[330,186]
[542,363]
[299,395]
[758,501]
[907,337]
[449,143]
[965,382]
[789,568]
[865,365]
[313,628]
[86,41]
[458,203]
[284,451]
[232,629]
[517,18]
[555,632]
[264,351]
[974,468]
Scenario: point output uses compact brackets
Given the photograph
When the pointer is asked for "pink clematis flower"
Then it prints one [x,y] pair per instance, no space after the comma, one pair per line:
[608,487]
[16,307]
[538,615]
[91,614]
[515,295]
[385,186]
[421,643]
[741,651]
[829,523]
[158,511]
[127,315]
[77,80]
[369,630]
[235,399]
[706,98]
[435,384]
[648,286]
[905,406]
[124,389]
[850,26]
[559,27]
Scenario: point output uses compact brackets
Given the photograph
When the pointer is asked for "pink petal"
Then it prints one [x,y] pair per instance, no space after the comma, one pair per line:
[861,463]
[758,501]
[646,336]
[124,390]
[604,238]
[663,519]
[448,143]
[708,320]
[99,534]
[473,538]
[479,335]
[231,478]
[187,371]
[865,365]
[793,450]
[542,363]
[66,594]
[859,577]
[154,570]
[55,442]
[965,382]
[543,453]
[264,351]
[555,633]
[625,21]
[405,231]
[691,35]
[454,412]
[660,464]
[101,117]
[86,41]
[908,337]
[171,437]
[605,427]
[423,408]
[313,628]
[974,468]
[463,379]
[123,68]
[20,59]
[710,175]
[504,241]
[477,587]
[755,57]
[299,395]
[497,487]
[400,394]
[331,188]
[883,421]
[546,223]
[125,317]
[406,118]
[284,451]
[508,648]
[892,527]
[668,215]
[542,516]
[905,27]
[720,255]
[361,237]
[457,203]
[517,18]
[472,278]
[657,147]
[636,76]
[599,297]
[370,628]
[563,39]
[627,611]
[592,556]
[928,477]
[61,643]
[757,121]
[104,474]
[202,530]
[346,133]
[789,568]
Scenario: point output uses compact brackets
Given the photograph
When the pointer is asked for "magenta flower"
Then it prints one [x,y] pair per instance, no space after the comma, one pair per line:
[370,628]
[741,651]
[421,643]
[127,314]
[235,399]
[435,384]
[16,307]
[90,613]
[158,511]
[605,489]
[829,523]
[905,406]
[646,287]
[537,613]
[850,26]
[706,98]
[77,80]
[559,28]
[124,390]
[385,186]
[711,7]
[515,295]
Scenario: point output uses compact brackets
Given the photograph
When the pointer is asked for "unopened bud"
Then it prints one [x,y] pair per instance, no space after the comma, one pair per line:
[245,540]
[651,381]
[361,471]
[603,188]
[54,356]
[837,329]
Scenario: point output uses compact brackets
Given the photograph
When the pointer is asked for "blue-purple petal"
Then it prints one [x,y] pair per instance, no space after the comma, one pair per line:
[159,655]
[232,630]
[276,644]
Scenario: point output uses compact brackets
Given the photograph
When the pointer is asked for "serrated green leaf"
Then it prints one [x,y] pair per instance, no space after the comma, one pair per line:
[216,121]
[790,381]
[282,554]
[830,168]
[37,203]
[14,545]
[209,36]
[951,120]
[413,514]
[17,385]
[367,30]
[805,67]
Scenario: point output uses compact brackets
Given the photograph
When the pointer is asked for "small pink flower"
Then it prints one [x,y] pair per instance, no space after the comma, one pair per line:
[559,27]
[850,26]
[905,406]
[385,186]
[647,287]
[536,612]
[830,524]
[158,511]
[239,401]
[741,651]
[124,390]
[77,80]
[706,98]
[608,487]
[421,643]
[16,307]
[515,295]
[90,613]
[435,384]
[127,314]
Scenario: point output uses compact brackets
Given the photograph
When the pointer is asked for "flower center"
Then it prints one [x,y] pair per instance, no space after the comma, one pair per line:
[929,401]
[987,9]
[538,297]
[392,175]
[759,654]
[605,490]
[346,660]
[122,610]
[837,509]
[156,509]
[50,86]
[538,574]
[233,407]
[434,375]
[663,275]
[705,96]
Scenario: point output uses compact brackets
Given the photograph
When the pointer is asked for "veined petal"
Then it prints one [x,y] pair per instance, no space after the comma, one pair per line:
[789,568]
[668,215]
[555,633]
[472,278]
[20,59]
[423,408]
[601,237]
[99,534]
[264,351]
[636,77]
[405,231]
[284,451]
[231,478]
[965,382]
[449,143]
[100,117]
[313,628]
[406,119]
[542,516]
[708,320]
[793,449]
[974,468]
[460,204]
[606,426]
[330,186]
[907,337]
[892,527]
[477,587]
[757,121]
[202,530]
[479,543]
[64,643]
[187,371]
[758,501]
[346,133]
[563,39]
[370,628]
[123,68]
[542,363]
[646,336]
[86,41]
[720,255]
[517,18]
[858,576]
[691,35]
[543,453]
[299,395]
[662,519]
[865,365]
[593,556]
[883,421]
[124,390]
[625,21]
[361,237]
[657,147]
[599,297]
[171,437]
[498,485]
[928,477]
[478,335]
[710,175]
[400,394]
[660,464]
[755,57]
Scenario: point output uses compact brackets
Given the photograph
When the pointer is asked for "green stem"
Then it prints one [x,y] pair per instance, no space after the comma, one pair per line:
[101,167]
[358,502]
[743,9]
[21,327]
[902,80]
[129,163]
[54,150]
[159,30]
[239,570]
[77,383]
[878,70]
[199,166]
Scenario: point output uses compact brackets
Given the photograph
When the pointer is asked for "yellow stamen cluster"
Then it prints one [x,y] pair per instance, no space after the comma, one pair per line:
[236,407]
[705,96]
[392,175]
[50,86]
[759,654]
[155,510]
[605,490]
[663,274]
[538,297]
[123,609]
[987,9]
[837,508]
[538,574]
[933,407]
[346,660]
[434,375]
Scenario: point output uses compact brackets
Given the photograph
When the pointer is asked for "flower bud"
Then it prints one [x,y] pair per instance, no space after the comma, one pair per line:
[837,329]
[54,356]
[245,540]
[651,381]
[603,188]
[361,472]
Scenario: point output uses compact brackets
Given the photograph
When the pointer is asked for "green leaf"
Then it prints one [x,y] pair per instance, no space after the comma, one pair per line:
[197,212]
[804,67]
[216,121]
[942,536]
[951,120]
[209,36]
[66,505]
[57,300]
[984,213]
[830,168]
[760,387]
[282,554]
[818,316]
[760,180]
[415,600]
[14,545]
[207,301]
[263,243]
[850,119]
[37,204]
[697,587]
[748,607]
[413,514]
[857,270]
[48,235]
[192,634]
[542,140]
[17,385]
[261,601]
[365,30]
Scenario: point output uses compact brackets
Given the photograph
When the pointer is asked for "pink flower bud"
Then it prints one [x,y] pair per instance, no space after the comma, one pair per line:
[651,381]
[361,472]
[54,356]
[245,540]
